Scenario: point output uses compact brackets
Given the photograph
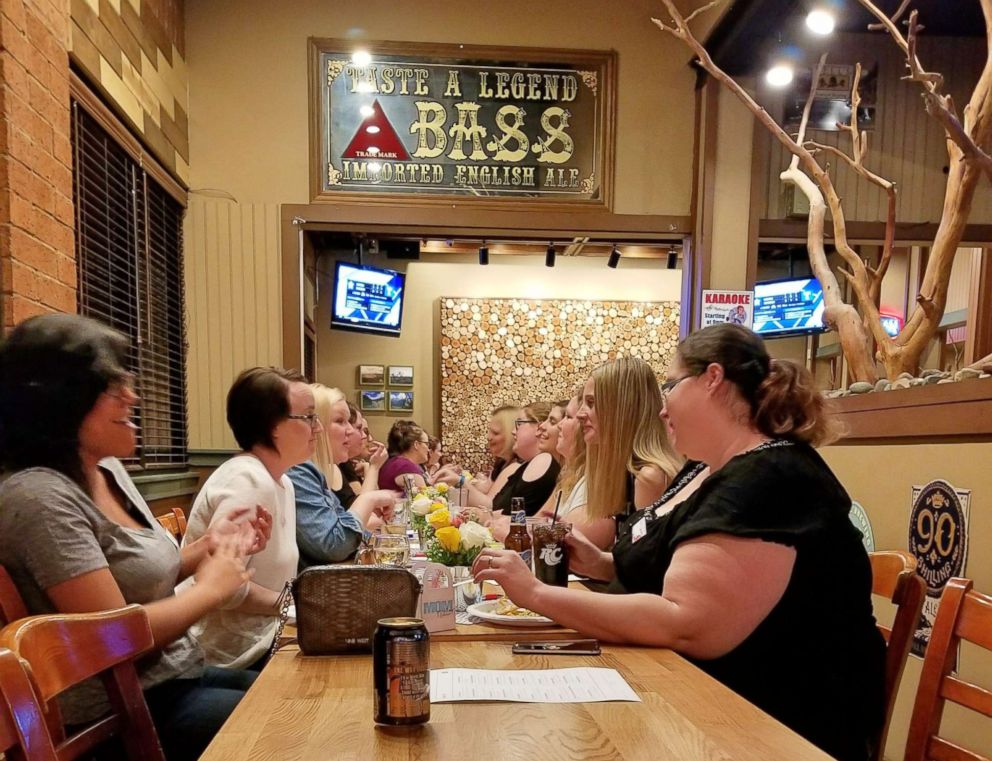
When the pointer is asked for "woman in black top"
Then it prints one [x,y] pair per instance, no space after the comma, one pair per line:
[535,479]
[748,565]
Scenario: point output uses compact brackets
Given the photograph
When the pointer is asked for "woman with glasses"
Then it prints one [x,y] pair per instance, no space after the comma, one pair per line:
[327,531]
[272,414]
[748,564]
[629,461]
[408,450]
[76,536]
[535,478]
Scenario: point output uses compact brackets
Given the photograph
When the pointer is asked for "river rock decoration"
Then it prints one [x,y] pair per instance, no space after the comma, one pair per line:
[515,351]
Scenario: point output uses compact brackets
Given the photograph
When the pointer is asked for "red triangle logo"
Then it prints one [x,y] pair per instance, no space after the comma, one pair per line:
[376,139]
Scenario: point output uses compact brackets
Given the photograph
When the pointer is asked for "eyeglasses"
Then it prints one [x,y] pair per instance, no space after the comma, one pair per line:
[668,386]
[523,421]
[311,417]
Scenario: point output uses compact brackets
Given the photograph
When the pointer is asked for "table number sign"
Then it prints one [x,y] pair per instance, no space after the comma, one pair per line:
[938,539]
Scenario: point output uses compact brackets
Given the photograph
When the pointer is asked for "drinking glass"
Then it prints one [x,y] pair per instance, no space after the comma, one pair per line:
[391,550]
[398,523]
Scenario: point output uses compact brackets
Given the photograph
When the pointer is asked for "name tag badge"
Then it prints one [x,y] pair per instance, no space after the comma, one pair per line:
[639,530]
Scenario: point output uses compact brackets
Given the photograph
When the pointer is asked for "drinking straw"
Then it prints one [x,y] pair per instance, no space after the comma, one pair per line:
[554,518]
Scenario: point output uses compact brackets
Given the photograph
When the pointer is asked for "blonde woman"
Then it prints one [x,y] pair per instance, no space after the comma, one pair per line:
[327,532]
[629,461]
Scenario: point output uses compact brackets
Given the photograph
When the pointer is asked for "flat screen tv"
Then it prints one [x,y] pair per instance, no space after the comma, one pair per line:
[367,299]
[788,307]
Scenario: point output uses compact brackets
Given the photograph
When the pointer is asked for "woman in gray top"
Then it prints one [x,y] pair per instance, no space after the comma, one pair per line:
[76,536]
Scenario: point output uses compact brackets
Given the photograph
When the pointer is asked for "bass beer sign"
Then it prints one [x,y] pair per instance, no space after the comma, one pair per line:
[448,120]
[938,539]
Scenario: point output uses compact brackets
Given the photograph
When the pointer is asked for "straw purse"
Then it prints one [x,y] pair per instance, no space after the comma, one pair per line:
[338,606]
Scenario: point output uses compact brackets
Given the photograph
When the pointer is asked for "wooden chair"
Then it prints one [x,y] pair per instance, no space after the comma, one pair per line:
[11,605]
[175,523]
[963,614]
[23,732]
[66,649]
[894,577]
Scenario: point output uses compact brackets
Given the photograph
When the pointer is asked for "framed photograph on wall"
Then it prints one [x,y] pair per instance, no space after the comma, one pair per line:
[400,401]
[371,375]
[371,401]
[400,375]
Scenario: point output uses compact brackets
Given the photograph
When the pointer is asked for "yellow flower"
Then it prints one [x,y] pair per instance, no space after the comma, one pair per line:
[440,519]
[441,488]
[449,537]
[435,506]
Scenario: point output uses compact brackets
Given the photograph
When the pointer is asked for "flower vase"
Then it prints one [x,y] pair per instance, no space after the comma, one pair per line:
[466,594]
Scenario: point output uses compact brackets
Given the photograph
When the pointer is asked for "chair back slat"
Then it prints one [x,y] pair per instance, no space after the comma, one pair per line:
[64,650]
[962,614]
[11,604]
[23,733]
[894,577]
[174,522]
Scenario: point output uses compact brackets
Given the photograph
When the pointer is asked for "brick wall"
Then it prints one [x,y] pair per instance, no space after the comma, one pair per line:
[37,257]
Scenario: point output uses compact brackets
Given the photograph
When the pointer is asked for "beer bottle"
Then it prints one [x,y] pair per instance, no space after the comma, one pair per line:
[518,539]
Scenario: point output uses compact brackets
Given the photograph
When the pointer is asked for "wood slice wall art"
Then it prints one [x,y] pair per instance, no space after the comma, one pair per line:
[516,351]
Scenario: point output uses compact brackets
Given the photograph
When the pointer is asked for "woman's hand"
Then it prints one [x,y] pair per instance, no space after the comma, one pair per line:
[377,503]
[223,572]
[377,454]
[253,532]
[586,559]
[507,569]
[499,525]
[447,475]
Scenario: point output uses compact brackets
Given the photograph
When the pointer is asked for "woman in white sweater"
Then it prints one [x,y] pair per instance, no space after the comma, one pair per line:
[271,412]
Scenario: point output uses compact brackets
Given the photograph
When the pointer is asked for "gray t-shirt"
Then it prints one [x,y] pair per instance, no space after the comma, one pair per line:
[51,532]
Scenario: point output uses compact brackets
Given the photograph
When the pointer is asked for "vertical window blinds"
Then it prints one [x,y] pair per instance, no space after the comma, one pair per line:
[129,254]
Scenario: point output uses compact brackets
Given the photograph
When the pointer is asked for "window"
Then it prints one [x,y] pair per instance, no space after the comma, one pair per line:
[129,259]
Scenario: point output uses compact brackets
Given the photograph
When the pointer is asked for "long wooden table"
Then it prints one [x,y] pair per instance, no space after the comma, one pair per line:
[321,707]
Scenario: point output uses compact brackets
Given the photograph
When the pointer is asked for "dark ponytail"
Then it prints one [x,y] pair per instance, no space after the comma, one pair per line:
[782,395]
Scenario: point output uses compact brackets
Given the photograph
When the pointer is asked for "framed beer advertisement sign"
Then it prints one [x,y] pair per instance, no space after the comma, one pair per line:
[482,123]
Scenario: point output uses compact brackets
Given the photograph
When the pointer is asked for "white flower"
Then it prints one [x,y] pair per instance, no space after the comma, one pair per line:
[474,535]
[421,505]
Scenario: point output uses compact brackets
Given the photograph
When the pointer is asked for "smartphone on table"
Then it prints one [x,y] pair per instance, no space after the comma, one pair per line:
[558,647]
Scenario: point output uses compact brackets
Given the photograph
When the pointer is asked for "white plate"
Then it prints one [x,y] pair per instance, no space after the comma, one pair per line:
[486,611]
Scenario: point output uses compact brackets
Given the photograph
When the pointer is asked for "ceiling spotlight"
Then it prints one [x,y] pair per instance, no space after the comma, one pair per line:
[614,258]
[549,256]
[483,254]
[673,258]
[361,58]
[779,75]
[366,111]
[820,21]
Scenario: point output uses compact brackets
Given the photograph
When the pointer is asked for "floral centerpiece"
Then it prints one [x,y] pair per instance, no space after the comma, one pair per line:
[455,541]
[427,501]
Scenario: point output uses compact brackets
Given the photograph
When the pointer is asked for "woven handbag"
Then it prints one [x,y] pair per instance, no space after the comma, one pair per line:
[337,607]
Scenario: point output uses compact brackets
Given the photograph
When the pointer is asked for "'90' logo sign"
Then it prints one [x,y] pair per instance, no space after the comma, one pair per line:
[938,534]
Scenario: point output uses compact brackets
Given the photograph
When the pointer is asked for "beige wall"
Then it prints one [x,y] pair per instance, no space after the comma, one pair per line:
[248,84]
[881,478]
[340,352]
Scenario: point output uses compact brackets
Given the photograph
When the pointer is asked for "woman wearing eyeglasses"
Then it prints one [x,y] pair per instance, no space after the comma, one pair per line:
[271,413]
[408,450]
[76,536]
[535,478]
[748,564]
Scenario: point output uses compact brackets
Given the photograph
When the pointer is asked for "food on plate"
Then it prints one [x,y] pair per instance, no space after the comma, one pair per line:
[504,606]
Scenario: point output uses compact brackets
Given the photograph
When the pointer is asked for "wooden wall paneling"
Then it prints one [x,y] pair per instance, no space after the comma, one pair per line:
[979,341]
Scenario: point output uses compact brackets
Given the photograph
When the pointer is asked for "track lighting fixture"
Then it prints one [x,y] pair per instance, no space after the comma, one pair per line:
[483,254]
[549,256]
[614,258]
[673,258]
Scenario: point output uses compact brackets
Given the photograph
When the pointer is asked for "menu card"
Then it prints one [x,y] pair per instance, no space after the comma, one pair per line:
[571,685]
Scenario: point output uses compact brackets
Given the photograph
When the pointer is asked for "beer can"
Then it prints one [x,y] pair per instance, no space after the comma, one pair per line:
[401,674]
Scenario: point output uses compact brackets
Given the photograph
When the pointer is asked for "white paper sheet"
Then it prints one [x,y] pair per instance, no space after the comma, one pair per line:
[573,685]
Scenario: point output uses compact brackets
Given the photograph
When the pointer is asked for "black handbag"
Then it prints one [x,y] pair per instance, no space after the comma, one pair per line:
[338,606]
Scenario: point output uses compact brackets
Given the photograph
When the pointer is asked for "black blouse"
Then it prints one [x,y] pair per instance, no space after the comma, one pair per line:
[816,663]
[535,493]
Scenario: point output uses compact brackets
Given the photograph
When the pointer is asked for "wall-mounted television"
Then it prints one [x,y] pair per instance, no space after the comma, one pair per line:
[788,307]
[367,299]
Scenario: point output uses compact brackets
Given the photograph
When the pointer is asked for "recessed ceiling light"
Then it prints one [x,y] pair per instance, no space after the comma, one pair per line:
[372,129]
[820,21]
[366,111]
[361,58]
[779,75]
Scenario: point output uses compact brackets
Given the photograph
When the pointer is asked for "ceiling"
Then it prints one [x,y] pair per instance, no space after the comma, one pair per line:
[750,28]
